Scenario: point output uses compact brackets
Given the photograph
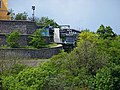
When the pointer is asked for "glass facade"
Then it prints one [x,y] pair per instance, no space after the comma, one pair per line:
[46,32]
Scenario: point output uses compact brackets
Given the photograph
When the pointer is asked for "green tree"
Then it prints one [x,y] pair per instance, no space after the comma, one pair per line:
[86,67]
[45,21]
[112,47]
[37,40]
[106,32]
[45,77]
[87,36]
[108,78]
[12,39]
[88,53]
[21,16]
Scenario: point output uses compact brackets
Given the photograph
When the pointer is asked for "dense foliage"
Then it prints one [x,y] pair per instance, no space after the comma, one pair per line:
[105,32]
[108,78]
[37,39]
[12,39]
[21,16]
[45,21]
[93,65]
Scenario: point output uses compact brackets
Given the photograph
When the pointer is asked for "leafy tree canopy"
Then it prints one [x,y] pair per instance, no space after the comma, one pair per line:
[93,64]
[37,39]
[106,32]
[12,39]
[108,78]
[21,16]
[45,21]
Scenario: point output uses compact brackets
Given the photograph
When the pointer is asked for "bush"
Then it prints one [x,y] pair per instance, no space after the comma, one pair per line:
[45,77]
[12,39]
[108,78]
[88,66]
[37,39]
[8,78]
[16,68]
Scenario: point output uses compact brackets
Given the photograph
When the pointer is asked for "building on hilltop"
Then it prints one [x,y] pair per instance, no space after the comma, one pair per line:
[4,15]
[63,34]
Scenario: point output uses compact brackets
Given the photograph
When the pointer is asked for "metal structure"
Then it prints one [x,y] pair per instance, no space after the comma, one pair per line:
[33,8]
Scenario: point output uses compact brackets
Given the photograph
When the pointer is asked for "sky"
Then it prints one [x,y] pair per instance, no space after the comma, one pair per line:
[79,14]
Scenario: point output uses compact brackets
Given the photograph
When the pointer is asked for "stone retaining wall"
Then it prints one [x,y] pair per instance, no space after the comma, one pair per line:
[43,53]
[23,41]
[24,27]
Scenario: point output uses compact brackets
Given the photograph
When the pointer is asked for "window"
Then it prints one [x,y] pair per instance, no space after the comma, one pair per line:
[0,3]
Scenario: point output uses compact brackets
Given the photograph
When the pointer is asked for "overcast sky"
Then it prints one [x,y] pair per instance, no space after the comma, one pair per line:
[80,14]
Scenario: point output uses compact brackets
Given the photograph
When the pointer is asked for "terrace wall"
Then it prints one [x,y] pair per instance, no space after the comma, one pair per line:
[43,53]
[24,27]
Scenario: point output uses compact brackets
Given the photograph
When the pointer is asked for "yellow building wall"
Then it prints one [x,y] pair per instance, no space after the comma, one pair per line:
[4,10]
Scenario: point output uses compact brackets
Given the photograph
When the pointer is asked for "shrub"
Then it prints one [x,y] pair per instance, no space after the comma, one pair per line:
[108,78]
[37,39]
[16,68]
[12,39]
